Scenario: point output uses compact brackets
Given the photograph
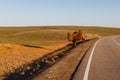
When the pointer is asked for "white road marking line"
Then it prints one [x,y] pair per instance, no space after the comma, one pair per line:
[116,41]
[89,62]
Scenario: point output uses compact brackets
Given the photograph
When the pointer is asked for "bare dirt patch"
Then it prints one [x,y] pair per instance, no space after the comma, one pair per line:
[49,30]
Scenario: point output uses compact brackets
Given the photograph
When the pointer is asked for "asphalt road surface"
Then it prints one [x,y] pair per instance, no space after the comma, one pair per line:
[102,61]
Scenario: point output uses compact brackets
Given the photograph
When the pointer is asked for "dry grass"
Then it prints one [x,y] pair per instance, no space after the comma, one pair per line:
[46,39]
[13,55]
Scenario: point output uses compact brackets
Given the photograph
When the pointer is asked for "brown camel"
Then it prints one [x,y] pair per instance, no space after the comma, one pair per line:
[76,36]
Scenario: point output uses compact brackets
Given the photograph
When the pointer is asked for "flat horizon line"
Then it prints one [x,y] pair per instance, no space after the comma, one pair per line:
[58,26]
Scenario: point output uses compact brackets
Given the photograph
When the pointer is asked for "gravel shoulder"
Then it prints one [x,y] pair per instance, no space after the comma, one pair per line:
[63,69]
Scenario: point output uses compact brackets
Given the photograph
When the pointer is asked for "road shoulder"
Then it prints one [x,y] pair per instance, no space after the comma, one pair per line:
[64,68]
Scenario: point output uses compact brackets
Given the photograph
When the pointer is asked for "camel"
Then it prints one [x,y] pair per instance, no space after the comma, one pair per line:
[76,36]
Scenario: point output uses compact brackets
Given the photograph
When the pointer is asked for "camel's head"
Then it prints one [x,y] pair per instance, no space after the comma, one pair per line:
[69,36]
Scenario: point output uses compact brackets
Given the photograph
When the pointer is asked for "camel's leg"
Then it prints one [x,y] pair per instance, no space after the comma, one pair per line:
[74,43]
[83,39]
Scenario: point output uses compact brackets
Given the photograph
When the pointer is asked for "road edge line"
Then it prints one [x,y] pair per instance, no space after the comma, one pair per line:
[115,41]
[89,61]
[73,74]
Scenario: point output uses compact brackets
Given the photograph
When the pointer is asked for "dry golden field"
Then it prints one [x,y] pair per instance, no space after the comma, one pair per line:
[21,45]
[14,55]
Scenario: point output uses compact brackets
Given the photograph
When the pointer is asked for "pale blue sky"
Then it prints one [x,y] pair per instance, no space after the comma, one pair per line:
[60,12]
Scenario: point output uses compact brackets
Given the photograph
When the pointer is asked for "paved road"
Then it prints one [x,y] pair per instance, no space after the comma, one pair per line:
[102,61]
